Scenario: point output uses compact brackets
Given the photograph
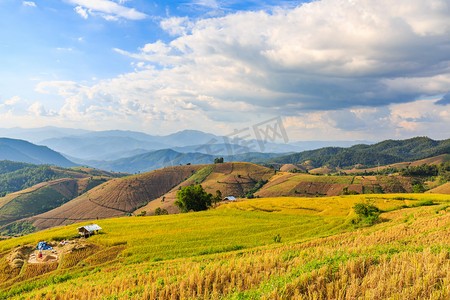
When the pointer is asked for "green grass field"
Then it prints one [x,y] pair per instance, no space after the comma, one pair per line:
[230,253]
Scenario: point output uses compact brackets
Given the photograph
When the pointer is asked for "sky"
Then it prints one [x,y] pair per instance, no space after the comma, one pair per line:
[331,69]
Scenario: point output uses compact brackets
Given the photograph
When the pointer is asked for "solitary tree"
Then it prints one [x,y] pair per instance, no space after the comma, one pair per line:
[218,160]
[217,197]
[194,198]
[367,213]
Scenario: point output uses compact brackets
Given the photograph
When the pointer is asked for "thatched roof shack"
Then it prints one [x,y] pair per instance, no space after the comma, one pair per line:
[88,230]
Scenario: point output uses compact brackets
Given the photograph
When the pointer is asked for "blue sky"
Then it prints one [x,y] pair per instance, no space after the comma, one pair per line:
[333,69]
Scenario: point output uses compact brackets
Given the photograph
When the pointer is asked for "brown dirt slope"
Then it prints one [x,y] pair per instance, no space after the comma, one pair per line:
[308,185]
[442,189]
[435,160]
[115,198]
[81,172]
[45,196]
[232,179]
[27,202]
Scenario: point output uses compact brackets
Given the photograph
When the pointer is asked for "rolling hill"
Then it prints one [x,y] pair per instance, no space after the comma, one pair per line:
[306,185]
[46,195]
[42,197]
[274,248]
[157,189]
[100,145]
[383,153]
[133,194]
[115,198]
[435,160]
[23,151]
[232,179]
[16,176]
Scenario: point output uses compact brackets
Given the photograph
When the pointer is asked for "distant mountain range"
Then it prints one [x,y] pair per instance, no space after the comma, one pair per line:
[115,144]
[167,157]
[23,151]
[130,151]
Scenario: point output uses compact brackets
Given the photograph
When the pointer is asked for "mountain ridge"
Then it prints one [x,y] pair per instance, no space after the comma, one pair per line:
[384,152]
[24,151]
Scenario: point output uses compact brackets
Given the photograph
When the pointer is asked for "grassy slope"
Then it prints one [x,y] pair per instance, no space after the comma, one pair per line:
[406,257]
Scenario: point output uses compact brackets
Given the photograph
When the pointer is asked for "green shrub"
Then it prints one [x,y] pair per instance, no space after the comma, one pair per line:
[368,214]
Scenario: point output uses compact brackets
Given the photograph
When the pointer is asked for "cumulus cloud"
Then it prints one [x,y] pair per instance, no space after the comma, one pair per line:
[341,63]
[369,53]
[29,3]
[403,120]
[82,12]
[177,25]
[109,10]
[38,109]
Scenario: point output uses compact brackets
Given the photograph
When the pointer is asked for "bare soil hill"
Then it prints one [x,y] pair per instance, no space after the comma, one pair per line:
[306,185]
[43,197]
[435,160]
[115,198]
[442,189]
[232,179]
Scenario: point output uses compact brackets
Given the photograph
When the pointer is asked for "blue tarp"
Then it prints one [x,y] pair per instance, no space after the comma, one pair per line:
[43,246]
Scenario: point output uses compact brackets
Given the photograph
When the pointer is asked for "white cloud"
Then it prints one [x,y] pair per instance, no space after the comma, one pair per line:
[62,88]
[82,12]
[307,58]
[177,25]
[207,3]
[332,67]
[29,3]
[38,109]
[109,10]
[421,117]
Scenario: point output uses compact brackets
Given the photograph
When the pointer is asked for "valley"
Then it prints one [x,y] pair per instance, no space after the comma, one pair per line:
[293,223]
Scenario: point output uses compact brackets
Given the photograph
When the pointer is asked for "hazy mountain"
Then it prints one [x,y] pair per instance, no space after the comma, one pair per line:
[23,151]
[97,147]
[35,135]
[115,144]
[167,157]
[312,145]
[189,138]
[151,161]
[108,145]
[214,149]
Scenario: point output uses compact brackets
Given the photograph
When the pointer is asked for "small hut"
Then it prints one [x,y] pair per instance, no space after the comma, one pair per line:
[229,198]
[87,230]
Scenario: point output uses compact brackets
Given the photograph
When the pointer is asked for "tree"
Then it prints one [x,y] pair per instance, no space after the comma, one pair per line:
[418,188]
[367,212]
[217,197]
[218,160]
[160,212]
[142,214]
[193,198]
[346,191]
